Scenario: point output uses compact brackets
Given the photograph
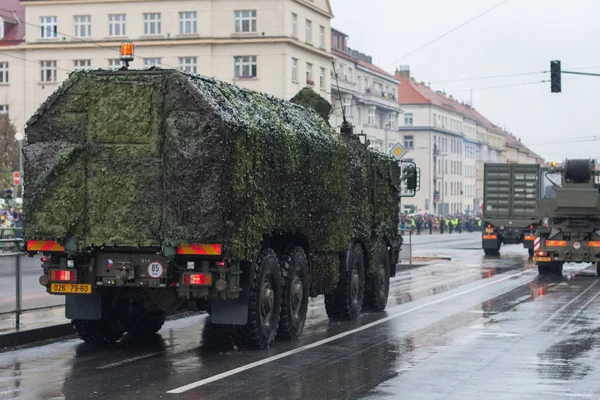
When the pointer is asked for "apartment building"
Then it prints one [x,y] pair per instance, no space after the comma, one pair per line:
[367,93]
[277,47]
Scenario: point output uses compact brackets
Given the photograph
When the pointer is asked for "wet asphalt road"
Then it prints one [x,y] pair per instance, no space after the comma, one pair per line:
[470,328]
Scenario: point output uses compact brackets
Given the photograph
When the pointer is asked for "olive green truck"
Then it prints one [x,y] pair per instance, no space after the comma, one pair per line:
[510,195]
[570,214]
[154,191]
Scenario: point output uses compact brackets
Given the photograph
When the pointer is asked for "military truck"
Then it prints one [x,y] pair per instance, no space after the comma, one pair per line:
[156,190]
[509,206]
[570,212]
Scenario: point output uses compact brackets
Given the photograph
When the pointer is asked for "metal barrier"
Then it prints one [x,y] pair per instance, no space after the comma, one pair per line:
[15,249]
[406,246]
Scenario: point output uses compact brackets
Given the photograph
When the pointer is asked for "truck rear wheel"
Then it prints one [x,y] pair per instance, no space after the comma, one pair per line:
[492,252]
[345,302]
[556,268]
[264,301]
[146,323]
[97,331]
[295,293]
[377,286]
[598,269]
[543,268]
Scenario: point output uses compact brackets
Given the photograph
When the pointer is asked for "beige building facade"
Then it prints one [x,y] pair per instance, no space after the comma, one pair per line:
[368,95]
[277,47]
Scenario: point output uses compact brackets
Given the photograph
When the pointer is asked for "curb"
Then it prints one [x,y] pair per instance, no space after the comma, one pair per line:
[19,338]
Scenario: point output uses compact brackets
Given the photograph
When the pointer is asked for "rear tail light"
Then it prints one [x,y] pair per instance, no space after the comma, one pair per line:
[531,227]
[220,263]
[197,279]
[489,225]
[63,275]
[541,253]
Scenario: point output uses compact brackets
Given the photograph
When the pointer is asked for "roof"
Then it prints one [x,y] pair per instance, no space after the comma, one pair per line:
[372,67]
[14,28]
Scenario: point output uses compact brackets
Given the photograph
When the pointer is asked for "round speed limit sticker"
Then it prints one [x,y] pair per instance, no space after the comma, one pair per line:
[155,269]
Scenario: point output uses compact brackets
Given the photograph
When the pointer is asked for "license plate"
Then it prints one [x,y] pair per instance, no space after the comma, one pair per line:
[70,288]
[489,230]
[542,259]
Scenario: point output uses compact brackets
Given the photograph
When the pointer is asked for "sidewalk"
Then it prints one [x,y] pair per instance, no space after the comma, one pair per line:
[35,326]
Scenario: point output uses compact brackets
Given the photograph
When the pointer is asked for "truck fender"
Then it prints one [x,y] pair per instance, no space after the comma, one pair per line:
[88,307]
[234,311]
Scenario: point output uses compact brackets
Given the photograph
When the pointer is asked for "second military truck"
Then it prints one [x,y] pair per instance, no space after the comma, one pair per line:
[509,206]
[152,191]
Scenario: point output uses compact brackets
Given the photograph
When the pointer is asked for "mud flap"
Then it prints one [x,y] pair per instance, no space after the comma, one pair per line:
[230,312]
[88,307]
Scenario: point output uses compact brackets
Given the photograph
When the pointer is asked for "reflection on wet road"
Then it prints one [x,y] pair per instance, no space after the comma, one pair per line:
[469,328]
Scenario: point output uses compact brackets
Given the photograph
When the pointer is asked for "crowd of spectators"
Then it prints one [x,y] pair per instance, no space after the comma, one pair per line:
[418,223]
[11,223]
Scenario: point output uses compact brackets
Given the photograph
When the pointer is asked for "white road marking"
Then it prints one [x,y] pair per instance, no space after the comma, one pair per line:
[127,361]
[574,299]
[267,360]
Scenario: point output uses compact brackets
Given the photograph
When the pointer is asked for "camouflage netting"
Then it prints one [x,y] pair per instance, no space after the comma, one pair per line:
[160,158]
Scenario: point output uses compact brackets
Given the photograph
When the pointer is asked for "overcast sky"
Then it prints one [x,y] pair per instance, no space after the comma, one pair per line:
[521,36]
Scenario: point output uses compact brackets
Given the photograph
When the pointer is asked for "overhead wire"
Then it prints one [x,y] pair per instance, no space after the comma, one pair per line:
[448,32]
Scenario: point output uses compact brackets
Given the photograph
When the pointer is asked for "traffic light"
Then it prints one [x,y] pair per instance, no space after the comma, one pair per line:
[555,81]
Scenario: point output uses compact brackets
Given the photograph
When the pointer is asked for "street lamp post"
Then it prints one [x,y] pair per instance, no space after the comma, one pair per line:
[443,188]
[20,136]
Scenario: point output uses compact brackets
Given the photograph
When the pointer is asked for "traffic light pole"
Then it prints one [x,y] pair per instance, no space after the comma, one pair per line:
[579,73]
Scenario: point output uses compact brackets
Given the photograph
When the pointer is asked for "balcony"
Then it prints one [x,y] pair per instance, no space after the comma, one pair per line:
[346,84]
[384,100]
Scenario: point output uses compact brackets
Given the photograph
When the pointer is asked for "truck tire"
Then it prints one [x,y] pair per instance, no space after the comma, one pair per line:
[543,268]
[294,293]
[264,305]
[146,324]
[556,268]
[492,252]
[345,302]
[598,269]
[377,286]
[98,331]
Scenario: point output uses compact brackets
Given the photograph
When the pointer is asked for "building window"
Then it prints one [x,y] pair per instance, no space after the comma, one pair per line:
[308,31]
[115,63]
[48,27]
[3,108]
[408,119]
[347,104]
[244,66]
[83,26]
[188,64]
[82,65]
[392,121]
[309,79]
[152,24]
[151,62]
[4,72]
[322,37]
[295,69]
[245,21]
[294,25]
[188,22]
[116,25]
[48,71]
[409,142]
[322,78]
[371,117]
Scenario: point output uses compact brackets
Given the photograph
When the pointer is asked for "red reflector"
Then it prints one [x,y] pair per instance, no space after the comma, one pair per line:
[594,244]
[63,275]
[490,236]
[45,259]
[220,263]
[556,243]
[529,237]
[202,249]
[531,227]
[197,279]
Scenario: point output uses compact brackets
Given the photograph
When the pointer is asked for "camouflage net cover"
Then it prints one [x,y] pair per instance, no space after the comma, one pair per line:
[161,158]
